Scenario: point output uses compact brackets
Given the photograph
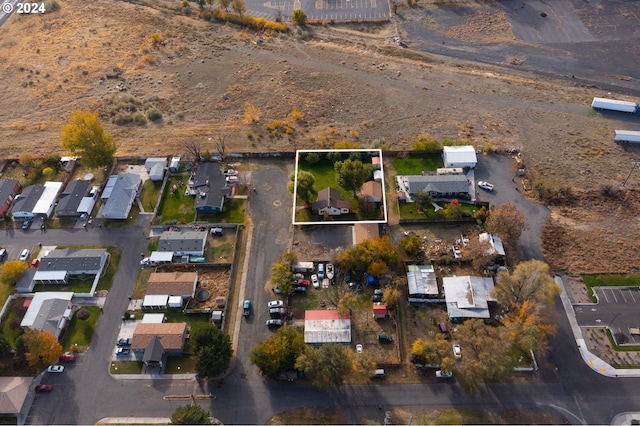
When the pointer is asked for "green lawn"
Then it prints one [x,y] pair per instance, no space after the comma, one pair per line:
[180,364]
[234,211]
[416,164]
[410,211]
[175,206]
[149,194]
[5,291]
[140,289]
[126,367]
[16,310]
[196,322]
[325,176]
[123,223]
[80,332]
[631,280]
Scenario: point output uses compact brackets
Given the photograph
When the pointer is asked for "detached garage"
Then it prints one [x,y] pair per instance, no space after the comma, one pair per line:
[459,156]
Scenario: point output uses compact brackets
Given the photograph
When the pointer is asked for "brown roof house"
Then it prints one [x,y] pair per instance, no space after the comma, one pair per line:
[330,203]
[158,340]
[181,284]
[372,191]
[13,394]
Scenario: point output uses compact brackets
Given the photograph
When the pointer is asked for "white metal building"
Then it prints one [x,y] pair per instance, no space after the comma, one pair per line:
[459,156]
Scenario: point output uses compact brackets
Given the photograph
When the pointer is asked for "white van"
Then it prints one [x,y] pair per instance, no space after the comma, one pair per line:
[379,374]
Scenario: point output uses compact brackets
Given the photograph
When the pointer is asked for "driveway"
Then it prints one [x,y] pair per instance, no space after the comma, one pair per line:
[499,170]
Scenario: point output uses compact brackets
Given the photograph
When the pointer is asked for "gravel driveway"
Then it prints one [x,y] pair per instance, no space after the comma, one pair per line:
[499,170]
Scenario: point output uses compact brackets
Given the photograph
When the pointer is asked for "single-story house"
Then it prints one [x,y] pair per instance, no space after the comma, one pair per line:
[365,231]
[183,243]
[181,284]
[49,311]
[8,190]
[154,354]
[326,326]
[122,195]
[379,311]
[209,186]
[74,261]
[372,191]
[468,297]
[160,257]
[172,335]
[449,186]
[155,167]
[496,244]
[329,202]
[26,201]
[71,198]
[13,395]
[422,283]
[459,156]
[47,202]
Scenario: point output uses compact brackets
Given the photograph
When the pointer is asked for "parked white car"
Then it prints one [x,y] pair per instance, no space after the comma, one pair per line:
[485,185]
[25,254]
[276,304]
[443,374]
[55,369]
[359,348]
[457,352]
[314,281]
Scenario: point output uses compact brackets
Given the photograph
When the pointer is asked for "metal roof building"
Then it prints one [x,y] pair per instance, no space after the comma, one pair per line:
[459,156]
[326,326]
[468,297]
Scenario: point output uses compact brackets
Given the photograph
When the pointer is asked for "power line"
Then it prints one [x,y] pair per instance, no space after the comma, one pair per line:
[636,165]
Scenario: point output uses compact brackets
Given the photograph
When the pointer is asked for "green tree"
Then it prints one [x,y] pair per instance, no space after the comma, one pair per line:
[452,210]
[299,18]
[85,136]
[334,156]
[507,222]
[12,270]
[352,174]
[325,366]
[529,281]
[411,244]
[311,157]
[213,351]
[369,255]
[422,199]
[304,189]
[42,349]
[191,414]
[279,352]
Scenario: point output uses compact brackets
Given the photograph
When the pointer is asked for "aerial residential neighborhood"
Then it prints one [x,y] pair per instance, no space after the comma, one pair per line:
[330,213]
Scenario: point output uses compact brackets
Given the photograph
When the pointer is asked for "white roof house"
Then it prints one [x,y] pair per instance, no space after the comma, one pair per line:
[326,326]
[48,311]
[459,156]
[155,301]
[122,196]
[153,318]
[468,297]
[47,200]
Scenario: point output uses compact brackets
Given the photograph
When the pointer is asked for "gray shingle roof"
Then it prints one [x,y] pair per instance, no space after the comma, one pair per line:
[122,195]
[329,197]
[211,186]
[177,241]
[6,189]
[72,196]
[438,184]
[71,259]
[28,199]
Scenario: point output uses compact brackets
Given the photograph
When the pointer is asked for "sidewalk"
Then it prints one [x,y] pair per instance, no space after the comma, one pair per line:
[596,364]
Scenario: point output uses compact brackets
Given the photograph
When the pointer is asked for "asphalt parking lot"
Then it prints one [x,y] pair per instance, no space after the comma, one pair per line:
[617,309]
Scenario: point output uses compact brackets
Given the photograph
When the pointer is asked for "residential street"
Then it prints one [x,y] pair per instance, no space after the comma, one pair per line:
[577,392]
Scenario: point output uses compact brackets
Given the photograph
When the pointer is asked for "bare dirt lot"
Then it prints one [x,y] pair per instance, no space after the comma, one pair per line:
[348,82]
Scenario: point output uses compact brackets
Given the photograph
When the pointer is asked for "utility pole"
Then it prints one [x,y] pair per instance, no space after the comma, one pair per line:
[636,165]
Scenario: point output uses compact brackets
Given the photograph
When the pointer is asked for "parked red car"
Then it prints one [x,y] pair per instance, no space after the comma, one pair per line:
[44,388]
[67,357]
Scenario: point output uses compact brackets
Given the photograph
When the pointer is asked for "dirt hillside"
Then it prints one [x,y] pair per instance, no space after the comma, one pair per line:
[350,82]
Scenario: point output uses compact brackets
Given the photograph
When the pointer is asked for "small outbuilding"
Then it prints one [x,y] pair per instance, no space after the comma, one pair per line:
[379,311]
[459,156]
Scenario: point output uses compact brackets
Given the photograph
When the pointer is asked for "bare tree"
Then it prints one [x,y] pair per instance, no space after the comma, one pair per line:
[220,142]
[193,148]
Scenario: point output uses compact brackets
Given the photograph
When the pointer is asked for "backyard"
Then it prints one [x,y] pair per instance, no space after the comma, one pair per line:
[414,164]
[411,210]
[176,207]
[80,332]
[149,195]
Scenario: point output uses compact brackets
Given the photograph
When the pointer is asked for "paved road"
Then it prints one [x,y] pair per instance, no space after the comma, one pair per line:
[86,392]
